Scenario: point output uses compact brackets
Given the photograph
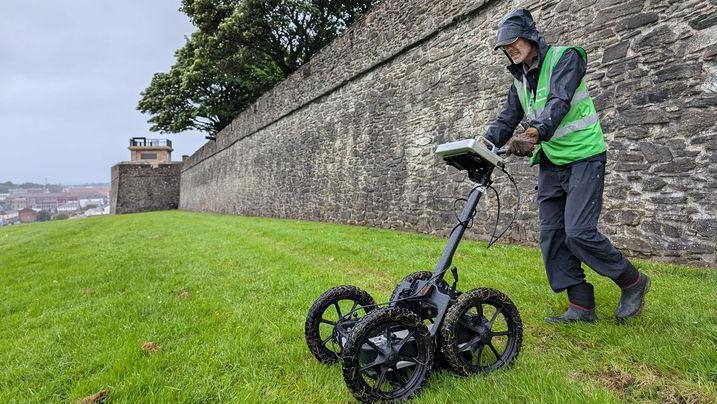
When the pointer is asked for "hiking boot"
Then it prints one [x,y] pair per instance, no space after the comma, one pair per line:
[633,298]
[574,314]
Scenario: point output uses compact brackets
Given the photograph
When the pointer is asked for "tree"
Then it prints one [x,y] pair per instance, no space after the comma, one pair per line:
[61,216]
[240,50]
[43,216]
[287,31]
[205,94]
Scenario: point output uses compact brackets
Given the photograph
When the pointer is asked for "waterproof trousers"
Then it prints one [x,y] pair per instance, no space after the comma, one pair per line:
[570,201]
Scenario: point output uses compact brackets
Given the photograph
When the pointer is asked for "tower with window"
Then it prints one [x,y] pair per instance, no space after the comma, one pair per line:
[150,150]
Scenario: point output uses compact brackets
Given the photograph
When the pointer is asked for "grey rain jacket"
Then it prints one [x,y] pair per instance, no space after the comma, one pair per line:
[565,79]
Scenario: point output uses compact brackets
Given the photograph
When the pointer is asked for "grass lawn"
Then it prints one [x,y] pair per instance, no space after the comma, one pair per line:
[225,300]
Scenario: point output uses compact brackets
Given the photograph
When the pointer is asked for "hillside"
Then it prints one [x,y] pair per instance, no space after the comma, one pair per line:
[223,299]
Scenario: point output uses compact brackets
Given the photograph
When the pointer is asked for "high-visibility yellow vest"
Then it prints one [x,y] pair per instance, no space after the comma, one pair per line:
[579,134]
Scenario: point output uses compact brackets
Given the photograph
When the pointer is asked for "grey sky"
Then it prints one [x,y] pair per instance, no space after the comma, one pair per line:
[70,76]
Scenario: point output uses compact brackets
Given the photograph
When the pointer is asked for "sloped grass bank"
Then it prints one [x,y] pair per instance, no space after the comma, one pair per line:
[224,299]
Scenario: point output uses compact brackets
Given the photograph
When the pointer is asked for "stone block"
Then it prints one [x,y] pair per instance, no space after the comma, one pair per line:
[609,14]
[615,52]
[677,166]
[679,71]
[704,21]
[653,184]
[655,153]
[706,228]
[637,21]
[656,38]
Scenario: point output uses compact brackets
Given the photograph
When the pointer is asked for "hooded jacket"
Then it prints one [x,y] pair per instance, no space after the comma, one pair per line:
[566,77]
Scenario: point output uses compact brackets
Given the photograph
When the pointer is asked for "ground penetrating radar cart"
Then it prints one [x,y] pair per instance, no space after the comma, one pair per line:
[388,350]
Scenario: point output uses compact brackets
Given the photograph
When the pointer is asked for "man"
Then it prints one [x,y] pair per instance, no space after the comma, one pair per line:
[565,138]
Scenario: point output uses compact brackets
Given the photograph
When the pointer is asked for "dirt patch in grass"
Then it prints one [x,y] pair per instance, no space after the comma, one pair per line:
[648,384]
[183,294]
[96,398]
[617,380]
[151,347]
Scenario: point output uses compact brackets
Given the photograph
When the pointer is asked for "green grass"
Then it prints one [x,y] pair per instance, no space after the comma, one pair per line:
[79,298]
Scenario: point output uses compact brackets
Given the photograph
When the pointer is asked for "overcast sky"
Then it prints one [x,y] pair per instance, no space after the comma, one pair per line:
[70,77]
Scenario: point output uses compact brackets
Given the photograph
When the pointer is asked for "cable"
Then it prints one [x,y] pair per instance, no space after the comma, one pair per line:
[497,217]
[493,238]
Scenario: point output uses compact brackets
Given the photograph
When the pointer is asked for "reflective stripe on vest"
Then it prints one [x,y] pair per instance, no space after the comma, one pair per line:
[577,125]
[579,134]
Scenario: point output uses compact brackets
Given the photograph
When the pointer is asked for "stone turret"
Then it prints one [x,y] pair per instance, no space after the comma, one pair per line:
[150,150]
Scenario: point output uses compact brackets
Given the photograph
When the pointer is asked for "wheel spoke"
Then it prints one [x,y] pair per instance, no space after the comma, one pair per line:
[495,351]
[372,345]
[353,307]
[379,381]
[338,310]
[478,357]
[403,342]
[479,310]
[411,359]
[467,325]
[325,321]
[400,374]
[377,362]
[470,345]
[495,315]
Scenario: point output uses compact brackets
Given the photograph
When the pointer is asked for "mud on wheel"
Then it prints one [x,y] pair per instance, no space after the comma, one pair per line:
[331,318]
[388,356]
[481,332]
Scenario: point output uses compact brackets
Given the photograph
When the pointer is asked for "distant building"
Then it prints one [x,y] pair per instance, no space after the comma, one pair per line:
[69,206]
[150,150]
[4,196]
[18,203]
[49,205]
[37,191]
[88,192]
[92,201]
[95,212]
[8,218]
[27,215]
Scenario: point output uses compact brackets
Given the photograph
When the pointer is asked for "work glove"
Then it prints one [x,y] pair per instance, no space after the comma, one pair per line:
[523,144]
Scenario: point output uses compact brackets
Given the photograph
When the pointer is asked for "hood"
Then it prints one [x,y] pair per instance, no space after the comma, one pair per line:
[519,24]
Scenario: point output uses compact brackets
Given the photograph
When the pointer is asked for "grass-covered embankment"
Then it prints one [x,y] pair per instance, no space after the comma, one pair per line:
[225,299]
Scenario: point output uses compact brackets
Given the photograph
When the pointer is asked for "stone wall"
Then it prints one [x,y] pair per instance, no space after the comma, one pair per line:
[142,187]
[349,137]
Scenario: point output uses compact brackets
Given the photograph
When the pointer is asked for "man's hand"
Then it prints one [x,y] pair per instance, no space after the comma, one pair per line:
[522,145]
[483,143]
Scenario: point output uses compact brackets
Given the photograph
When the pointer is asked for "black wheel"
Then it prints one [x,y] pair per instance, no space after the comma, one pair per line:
[388,356]
[481,332]
[331,318]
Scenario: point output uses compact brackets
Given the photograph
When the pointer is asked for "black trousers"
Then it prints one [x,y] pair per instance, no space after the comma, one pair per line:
[570,201]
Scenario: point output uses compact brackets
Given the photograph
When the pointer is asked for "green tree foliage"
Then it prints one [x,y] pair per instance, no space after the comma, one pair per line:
[8,185]
[241,49]
[61,216]
[43,216]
